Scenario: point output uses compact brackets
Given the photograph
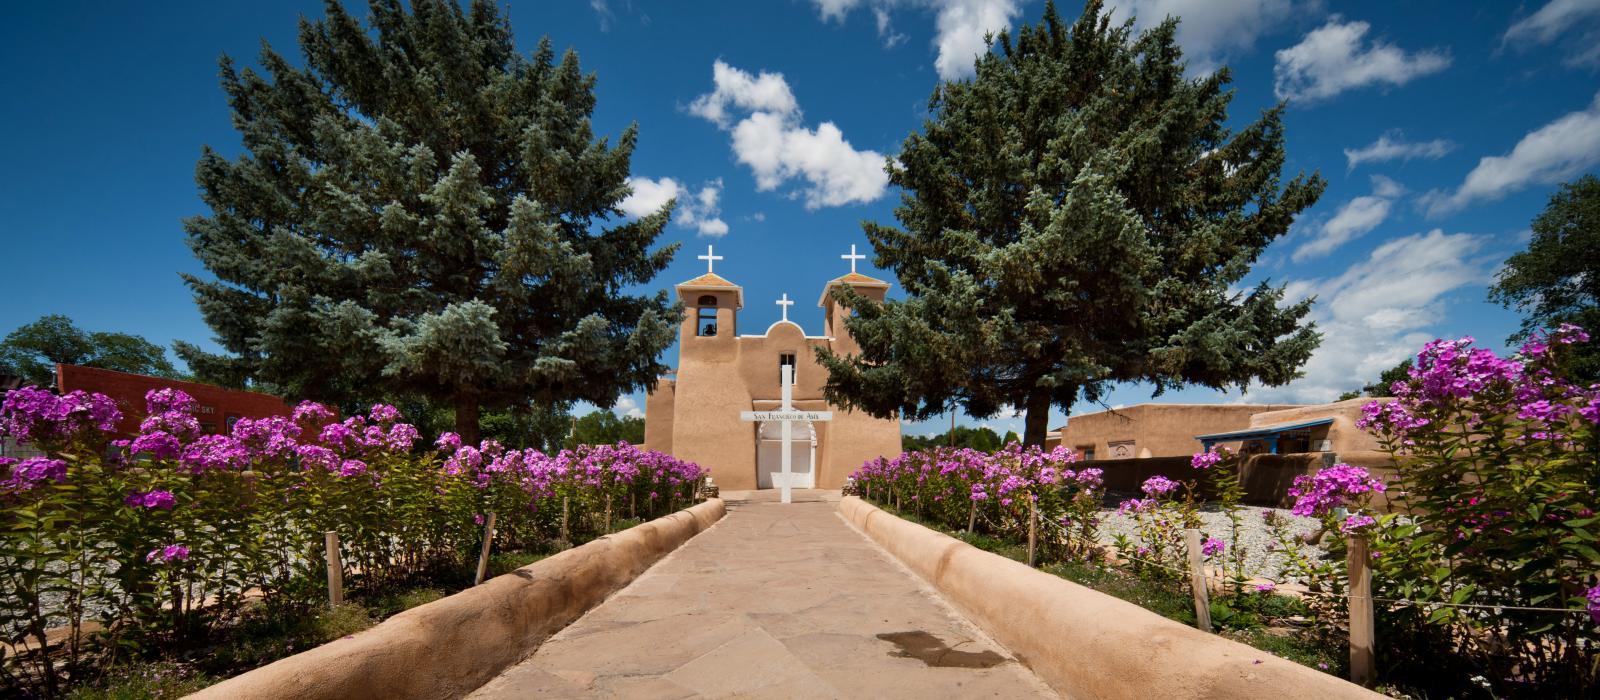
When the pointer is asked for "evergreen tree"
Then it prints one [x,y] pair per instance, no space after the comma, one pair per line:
[1076,216]
[33,350]
[1557,279]
[1381,388]
[423,210]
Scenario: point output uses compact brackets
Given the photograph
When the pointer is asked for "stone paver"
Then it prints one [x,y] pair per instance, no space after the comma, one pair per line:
[773,601]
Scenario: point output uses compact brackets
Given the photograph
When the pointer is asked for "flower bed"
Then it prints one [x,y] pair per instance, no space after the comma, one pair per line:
[1484,558]
[169,539]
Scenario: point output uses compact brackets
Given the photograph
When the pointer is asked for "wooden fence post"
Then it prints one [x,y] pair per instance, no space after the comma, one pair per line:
[1362,630]
[483,557]
[1033,530]
[972,517]
[1197,580]
[335,569]
[565,534]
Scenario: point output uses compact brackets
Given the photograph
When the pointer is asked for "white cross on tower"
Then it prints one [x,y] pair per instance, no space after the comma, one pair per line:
[786,416]
[711,259]
[785,303]
[852,257]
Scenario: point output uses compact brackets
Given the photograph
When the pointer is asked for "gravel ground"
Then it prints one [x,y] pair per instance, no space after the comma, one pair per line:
[1254,537]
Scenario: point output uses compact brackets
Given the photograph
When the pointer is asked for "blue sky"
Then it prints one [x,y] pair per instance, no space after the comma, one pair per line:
[1441,127]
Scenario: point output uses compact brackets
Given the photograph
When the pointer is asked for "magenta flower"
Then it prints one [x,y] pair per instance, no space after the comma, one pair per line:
[1205,460]
[1158,485]
[31,414]
[33,471]
[158,444]
[168,554]
[1593,594]
[448,442]
[157,499]
[1267,587]
[352,467]
[215,452]
[1212,546]
[1356,522]
[1330,488]
[311,412]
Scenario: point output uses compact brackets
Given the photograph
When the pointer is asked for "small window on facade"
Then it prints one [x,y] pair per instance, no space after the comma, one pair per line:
[706,315]
[1087,451]
[784,360]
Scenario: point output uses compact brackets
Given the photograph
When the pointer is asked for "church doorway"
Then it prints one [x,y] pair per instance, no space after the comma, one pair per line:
[802,455]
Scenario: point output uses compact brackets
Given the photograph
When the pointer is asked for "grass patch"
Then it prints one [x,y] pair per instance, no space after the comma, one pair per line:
[146,681]
[1154,596]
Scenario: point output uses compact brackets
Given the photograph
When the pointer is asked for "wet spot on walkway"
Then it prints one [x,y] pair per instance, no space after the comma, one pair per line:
[932,651]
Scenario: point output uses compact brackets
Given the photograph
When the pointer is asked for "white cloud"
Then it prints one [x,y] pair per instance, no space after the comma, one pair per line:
[778,147]
[700,210]
[886,32]
[767,92]
[1393,146]
[1551,153]
[1578,19]
[1210,29]
[603,12]
[1353,220]
[1334,58]
[959,26]
[627,407]
[1377,312]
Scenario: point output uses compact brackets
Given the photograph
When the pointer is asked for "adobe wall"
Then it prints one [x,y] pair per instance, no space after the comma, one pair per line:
[658,408]
[1084,643]
[447,648]
[1157,430]
[1343,433]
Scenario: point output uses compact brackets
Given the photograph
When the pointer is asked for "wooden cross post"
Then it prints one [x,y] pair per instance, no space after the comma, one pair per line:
[786,416]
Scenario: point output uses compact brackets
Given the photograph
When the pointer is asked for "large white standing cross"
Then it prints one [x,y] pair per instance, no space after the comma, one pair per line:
[786,415]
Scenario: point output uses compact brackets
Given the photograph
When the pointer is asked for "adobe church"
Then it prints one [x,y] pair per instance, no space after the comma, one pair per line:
[695,415]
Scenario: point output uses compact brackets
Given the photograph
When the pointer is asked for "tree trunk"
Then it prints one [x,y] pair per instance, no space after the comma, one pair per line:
[467,418]
[1037,420]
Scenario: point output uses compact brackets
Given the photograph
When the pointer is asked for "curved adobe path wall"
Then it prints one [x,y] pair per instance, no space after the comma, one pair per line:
[1084,643]
[449,647]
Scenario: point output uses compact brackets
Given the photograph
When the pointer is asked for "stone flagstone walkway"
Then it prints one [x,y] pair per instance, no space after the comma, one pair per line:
[773,601]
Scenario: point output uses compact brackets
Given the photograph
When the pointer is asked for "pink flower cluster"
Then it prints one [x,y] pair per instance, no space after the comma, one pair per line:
[1158,486]
[961,473]
[1448,373]
[31,472]
[31,414]
[168,554]
[1334,487]
[589,466]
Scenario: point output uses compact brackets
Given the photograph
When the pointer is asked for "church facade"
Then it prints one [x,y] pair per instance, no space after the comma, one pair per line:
[695,413]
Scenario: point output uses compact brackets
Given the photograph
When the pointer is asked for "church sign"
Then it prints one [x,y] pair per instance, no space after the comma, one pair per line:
[769,416]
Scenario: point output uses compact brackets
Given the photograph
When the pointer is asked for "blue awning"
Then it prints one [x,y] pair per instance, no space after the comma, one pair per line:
[1269,433]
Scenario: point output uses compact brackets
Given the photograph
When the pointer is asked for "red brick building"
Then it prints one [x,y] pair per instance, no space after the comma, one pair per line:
[218,407]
